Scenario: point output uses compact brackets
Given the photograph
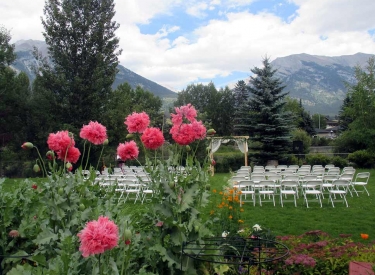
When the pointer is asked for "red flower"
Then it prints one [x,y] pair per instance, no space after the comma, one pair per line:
[94,132]
[159,224]
[187,111]
[152,138]
[127,150]
[69,166]
[127,242]
[199,129]
[364,236]
[34,186]
[137,122]
[183,134]
[98,236]
[72,155]
[60,141]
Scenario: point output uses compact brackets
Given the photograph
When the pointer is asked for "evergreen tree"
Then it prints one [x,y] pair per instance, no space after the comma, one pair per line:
[241,96]
[267,123]
[344,118]
[81,40]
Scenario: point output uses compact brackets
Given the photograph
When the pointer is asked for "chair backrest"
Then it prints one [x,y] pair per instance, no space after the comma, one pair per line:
[315,167]
[246,184]
[310,177]
[266,183]
[362,176]
[327,178]
[316,184]
[291,177]
[281,167]
[333,171]
[257,177]
[131,177]
[329,166]
[275,178]
[341,184]
[289,184]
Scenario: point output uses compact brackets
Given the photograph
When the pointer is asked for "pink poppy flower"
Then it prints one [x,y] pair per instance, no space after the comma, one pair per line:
[137,122]
[183,134]
[98,236]
[199,129]
[94,132]
[187,111]
[72,155]
[127,150]
[60,141]
[152,138]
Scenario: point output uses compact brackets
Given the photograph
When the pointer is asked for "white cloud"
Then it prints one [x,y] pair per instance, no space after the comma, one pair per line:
[324,16]
[175,56]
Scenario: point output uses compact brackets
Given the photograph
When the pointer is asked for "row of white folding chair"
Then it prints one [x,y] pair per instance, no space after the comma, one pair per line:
[361,180]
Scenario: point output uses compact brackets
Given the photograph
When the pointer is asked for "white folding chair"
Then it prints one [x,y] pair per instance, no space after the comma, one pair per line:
[361,179]
[266,189]
[339,191]
[246,188]
[289,187]
[312,188]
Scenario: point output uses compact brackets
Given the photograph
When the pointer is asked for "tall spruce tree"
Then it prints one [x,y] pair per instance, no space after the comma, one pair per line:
[267,123]
[241,95]
[84,52]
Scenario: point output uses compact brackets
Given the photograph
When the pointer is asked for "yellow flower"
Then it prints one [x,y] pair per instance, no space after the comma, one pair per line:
[241,210]
[220,192]
[212,212]
[240,221]
[214,191]
[230,217]
[230,207]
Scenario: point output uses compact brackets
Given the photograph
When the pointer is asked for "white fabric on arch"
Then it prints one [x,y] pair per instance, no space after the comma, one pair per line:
[215,145]
[242,145]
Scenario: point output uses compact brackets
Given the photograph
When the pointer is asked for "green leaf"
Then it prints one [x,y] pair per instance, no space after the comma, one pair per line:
[45,237]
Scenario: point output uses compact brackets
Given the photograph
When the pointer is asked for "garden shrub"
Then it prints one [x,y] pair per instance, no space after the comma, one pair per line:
[339,161]
[362,159]
[226,162]
[317,159]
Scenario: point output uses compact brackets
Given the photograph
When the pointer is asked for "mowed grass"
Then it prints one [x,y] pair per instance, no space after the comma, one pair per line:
[358,218]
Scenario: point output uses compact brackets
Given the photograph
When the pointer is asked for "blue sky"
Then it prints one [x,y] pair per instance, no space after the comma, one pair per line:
[179,42]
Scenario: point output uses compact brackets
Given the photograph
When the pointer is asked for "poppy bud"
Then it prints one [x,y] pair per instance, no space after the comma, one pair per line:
[127,234]
[106,142]
[129,136]
[187,147]
[211,132]
[213,162]
[69,166]
[36,168]
[127,242]
[27,145]
[50,155]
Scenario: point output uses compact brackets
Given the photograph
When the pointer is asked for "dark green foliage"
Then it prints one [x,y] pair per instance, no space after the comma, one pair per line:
[7,55]
[317,159]
[339,161]
[357,116]
[362,159]
[226,162]
[266,121]
[241,96]
[82,46]
[319,121]
[300,118]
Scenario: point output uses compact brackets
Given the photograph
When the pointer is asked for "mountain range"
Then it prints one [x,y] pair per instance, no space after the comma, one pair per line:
[25,62]
[318,81]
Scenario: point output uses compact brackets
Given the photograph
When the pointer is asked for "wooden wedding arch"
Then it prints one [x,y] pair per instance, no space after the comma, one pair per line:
[215,143]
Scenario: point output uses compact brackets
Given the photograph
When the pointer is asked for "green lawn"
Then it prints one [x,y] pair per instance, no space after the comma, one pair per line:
[357,218]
